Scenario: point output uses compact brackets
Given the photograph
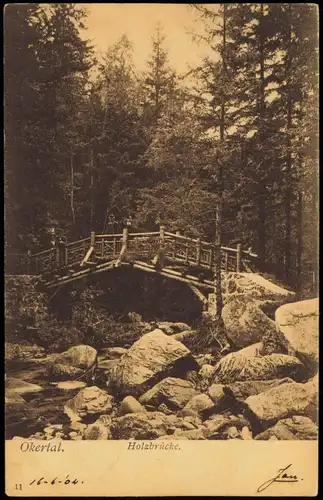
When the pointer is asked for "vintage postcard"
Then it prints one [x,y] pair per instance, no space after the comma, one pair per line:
[161,249]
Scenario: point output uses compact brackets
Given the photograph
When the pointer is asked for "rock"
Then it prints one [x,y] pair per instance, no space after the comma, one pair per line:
[58,371]
[201,404]
[77,426]
[20,386]
[23,351]
[107,365]
[217,394]
[172,437]
[245,322]
[70,385]
[188,413]
[242,390]
[130,405]
[192,435]
[72,434]
[89,401]
[235,367]
[218,425]
[80,356]
[284,401]
[12,398]
[206,372]
[204,359]
[246,434]
[251,350]
[149,425]
[166,327]
[297,427]
[164,409]
[298,322]
[187,337]
[97,432]
[49,430]
[111,353]
[233,433]
[181,327]
[204,377]
[153,357]
[188,426]
[174,392]
[172,328]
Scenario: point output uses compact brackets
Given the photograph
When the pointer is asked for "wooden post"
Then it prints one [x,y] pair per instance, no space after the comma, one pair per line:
[239,258]
[125,233]
[92,241]
[66,256]
[162,237]
[102,247]
[57,257]
[161,252]
[226,265]
[211,258]
[28,262]
[198,251]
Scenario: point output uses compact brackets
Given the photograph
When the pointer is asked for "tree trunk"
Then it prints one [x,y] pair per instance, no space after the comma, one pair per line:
[299,239]
[219,209]
[262,236]
[72,188]
[288,194]
[91,188]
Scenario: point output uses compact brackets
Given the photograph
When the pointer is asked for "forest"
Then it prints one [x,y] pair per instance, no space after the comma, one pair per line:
[227,152]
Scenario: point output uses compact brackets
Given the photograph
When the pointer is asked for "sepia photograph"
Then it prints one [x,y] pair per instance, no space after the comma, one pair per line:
[161,225]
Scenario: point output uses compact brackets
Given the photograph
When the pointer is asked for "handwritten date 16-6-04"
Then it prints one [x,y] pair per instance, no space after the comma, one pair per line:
[67,480]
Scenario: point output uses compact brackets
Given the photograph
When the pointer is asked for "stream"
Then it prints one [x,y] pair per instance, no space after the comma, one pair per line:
[42,408]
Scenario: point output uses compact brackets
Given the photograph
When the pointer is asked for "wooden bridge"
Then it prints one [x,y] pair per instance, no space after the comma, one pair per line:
[168,254]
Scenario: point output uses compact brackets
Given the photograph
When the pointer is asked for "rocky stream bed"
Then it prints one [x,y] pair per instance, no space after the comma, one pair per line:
[158,388]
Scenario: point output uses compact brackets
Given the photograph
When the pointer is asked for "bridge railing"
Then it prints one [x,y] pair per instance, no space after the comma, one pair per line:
[101,247]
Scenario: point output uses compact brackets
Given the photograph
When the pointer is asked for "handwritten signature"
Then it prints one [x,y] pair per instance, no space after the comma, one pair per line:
[66,481]
[282,477]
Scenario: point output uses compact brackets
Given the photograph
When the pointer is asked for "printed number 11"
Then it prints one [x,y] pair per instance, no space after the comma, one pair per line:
[18,486]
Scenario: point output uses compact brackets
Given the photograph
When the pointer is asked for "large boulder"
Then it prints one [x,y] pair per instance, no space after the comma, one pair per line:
[20,386]
[153,357]
[284,401]
[99,430]
[90,401]
[242,390]
[298,322]
[236,367]
[297,427]
[245,323]
[59,371]
[174,392]
[80,356]
[12,398]
[150,425]
[201,404]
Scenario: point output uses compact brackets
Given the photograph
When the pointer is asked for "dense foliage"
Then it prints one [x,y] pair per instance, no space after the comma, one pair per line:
[234,143]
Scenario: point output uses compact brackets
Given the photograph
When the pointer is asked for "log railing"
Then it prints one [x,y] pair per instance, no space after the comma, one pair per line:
[154,246]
